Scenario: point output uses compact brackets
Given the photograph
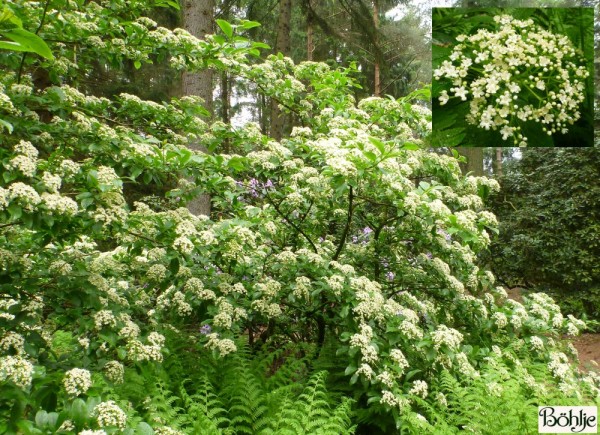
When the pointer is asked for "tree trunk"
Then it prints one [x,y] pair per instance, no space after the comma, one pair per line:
[497,166]
[310,42]
[283,45]
[198,17]
[474,162]
[377,75]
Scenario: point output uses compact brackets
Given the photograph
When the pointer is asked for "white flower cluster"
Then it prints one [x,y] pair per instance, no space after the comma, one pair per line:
[419,388]
[77,381]
[26,159]
[147,352]
[517,64]
[390,399]
[363,342]
[108,414]
[14,341]
[559,365]
[537,344]
[398,357]
[25,195]
[500,319]
[16,369]
[446,336]
[224,345]
[104,318]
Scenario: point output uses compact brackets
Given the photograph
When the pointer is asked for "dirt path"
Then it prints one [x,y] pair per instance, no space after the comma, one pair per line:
[588,346]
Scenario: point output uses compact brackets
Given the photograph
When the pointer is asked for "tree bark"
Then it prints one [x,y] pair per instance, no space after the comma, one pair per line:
[377,74]
[498,162]
[474,162]
[310,42]
[198,18]
[283,45]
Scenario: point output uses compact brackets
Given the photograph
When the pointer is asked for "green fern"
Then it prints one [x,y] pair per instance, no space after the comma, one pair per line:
[204,410]
[313,412]
[244,393]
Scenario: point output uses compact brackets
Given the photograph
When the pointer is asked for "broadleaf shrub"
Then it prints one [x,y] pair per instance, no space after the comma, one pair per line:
[549,236]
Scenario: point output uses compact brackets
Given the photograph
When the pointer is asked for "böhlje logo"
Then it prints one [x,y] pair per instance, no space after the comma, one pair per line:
[568,419]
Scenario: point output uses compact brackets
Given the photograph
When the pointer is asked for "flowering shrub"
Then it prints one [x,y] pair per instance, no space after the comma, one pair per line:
[517,77]
[346,235]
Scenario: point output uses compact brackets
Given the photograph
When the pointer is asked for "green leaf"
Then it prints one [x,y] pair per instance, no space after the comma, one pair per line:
[144,428]
[79,412]
[226,28]
[378,144]
[15,211]
[137,64]
[249,24]
[371,156]
[30,41]
[7,125]
[41,419]
[261,45]
[350,369]
[410,146]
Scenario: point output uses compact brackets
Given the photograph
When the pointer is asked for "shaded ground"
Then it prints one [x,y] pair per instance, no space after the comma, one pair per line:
[588,345]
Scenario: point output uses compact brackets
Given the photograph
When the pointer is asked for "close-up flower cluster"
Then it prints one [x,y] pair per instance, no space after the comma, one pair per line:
[513,74]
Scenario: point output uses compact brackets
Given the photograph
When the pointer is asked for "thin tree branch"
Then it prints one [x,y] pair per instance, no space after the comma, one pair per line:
[294,226]
[347,227]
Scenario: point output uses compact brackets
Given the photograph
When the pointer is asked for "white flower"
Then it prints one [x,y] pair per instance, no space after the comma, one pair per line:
[114,371]
[443,97]
[104,318]
[419,388]
[446,336]
[24,195]
[16,369]
[108,414]
[77,381]
[500,319]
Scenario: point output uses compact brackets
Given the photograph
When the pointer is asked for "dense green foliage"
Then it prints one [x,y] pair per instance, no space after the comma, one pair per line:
[549,212]
[518,87]
[334,288]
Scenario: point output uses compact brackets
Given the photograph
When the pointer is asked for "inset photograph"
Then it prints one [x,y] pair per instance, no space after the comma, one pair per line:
[513,77]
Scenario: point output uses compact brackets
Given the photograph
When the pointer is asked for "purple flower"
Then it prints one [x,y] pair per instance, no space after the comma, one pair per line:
[367,231]
[205,329]
[429,255]
[269,184]
[390,276]
[178,199]
[354,239]
[321,239]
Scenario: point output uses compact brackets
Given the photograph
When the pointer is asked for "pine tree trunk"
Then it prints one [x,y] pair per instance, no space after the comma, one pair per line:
[474,162]
[498,163]
[198,17]
[310,42]
[377,78]
[283,45]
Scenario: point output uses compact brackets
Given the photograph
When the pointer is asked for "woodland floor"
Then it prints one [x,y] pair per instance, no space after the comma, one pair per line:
[588,344]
